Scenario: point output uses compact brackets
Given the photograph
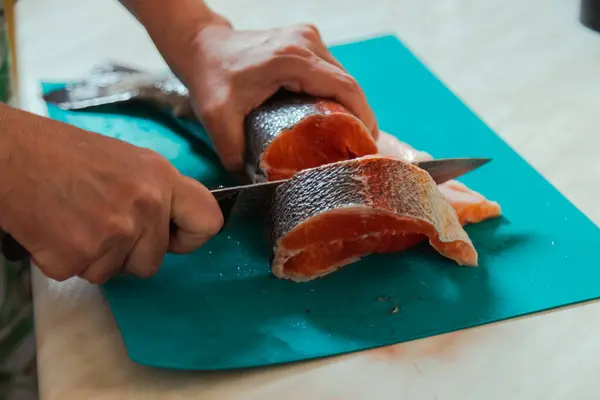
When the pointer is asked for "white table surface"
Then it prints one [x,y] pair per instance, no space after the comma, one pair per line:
[530,71]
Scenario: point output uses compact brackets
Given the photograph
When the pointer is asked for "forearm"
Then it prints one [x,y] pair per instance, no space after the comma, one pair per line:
[6,144]
[173,26]
[15,134]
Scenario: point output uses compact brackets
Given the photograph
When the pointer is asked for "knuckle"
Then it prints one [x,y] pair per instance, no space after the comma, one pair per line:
[154,263]
[122,227]
[349,82]
[209,111]
[149,197]
[84,248]
[153,268]
[143,273]
[308,31]
[233,162]
[147,272]
[293,85]
[147,263]
[158,161]
[290,49]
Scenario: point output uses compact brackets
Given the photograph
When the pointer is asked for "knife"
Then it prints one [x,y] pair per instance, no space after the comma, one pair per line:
[441,170]
[257,194]
[254,196]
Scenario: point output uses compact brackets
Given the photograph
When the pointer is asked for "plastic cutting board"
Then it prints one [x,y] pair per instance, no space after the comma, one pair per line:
[220,308]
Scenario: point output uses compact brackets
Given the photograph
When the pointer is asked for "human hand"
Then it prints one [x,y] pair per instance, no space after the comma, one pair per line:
[234,72]
[87,205]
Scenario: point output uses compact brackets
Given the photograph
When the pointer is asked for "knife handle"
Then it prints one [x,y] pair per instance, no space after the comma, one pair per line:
[226,205]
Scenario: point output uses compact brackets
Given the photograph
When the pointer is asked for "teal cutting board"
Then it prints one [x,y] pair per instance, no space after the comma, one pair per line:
[220,308]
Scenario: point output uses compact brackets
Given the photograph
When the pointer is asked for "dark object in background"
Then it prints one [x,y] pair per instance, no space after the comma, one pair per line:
[11,249]
[590,14]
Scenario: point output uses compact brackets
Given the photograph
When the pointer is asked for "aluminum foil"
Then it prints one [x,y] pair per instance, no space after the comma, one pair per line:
[116,83]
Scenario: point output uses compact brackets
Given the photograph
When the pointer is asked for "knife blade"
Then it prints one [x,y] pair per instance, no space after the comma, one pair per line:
[254,197]
[441,170]
[257,194]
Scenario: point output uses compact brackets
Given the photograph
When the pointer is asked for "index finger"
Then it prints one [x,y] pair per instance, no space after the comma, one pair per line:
[355,99]
[320,78]
[196,214]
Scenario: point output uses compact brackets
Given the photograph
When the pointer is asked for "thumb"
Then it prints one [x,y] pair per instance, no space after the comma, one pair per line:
[196,214]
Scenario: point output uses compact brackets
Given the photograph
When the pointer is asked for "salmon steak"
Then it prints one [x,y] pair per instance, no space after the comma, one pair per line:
[350,196]
[291,132]
[326,217]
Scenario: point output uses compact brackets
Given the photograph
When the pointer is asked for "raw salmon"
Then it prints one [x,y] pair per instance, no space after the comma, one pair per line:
[470,206]
[350,196]
[292,132]
[330,216]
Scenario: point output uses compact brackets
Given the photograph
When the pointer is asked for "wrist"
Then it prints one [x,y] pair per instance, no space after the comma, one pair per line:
[173,27]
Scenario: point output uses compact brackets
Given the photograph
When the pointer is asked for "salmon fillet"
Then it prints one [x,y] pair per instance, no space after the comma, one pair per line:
[292,132]
[330,216]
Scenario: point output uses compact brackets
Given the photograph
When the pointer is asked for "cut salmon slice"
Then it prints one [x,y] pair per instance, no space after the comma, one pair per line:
[292,132]
[332,215]
[470,206]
